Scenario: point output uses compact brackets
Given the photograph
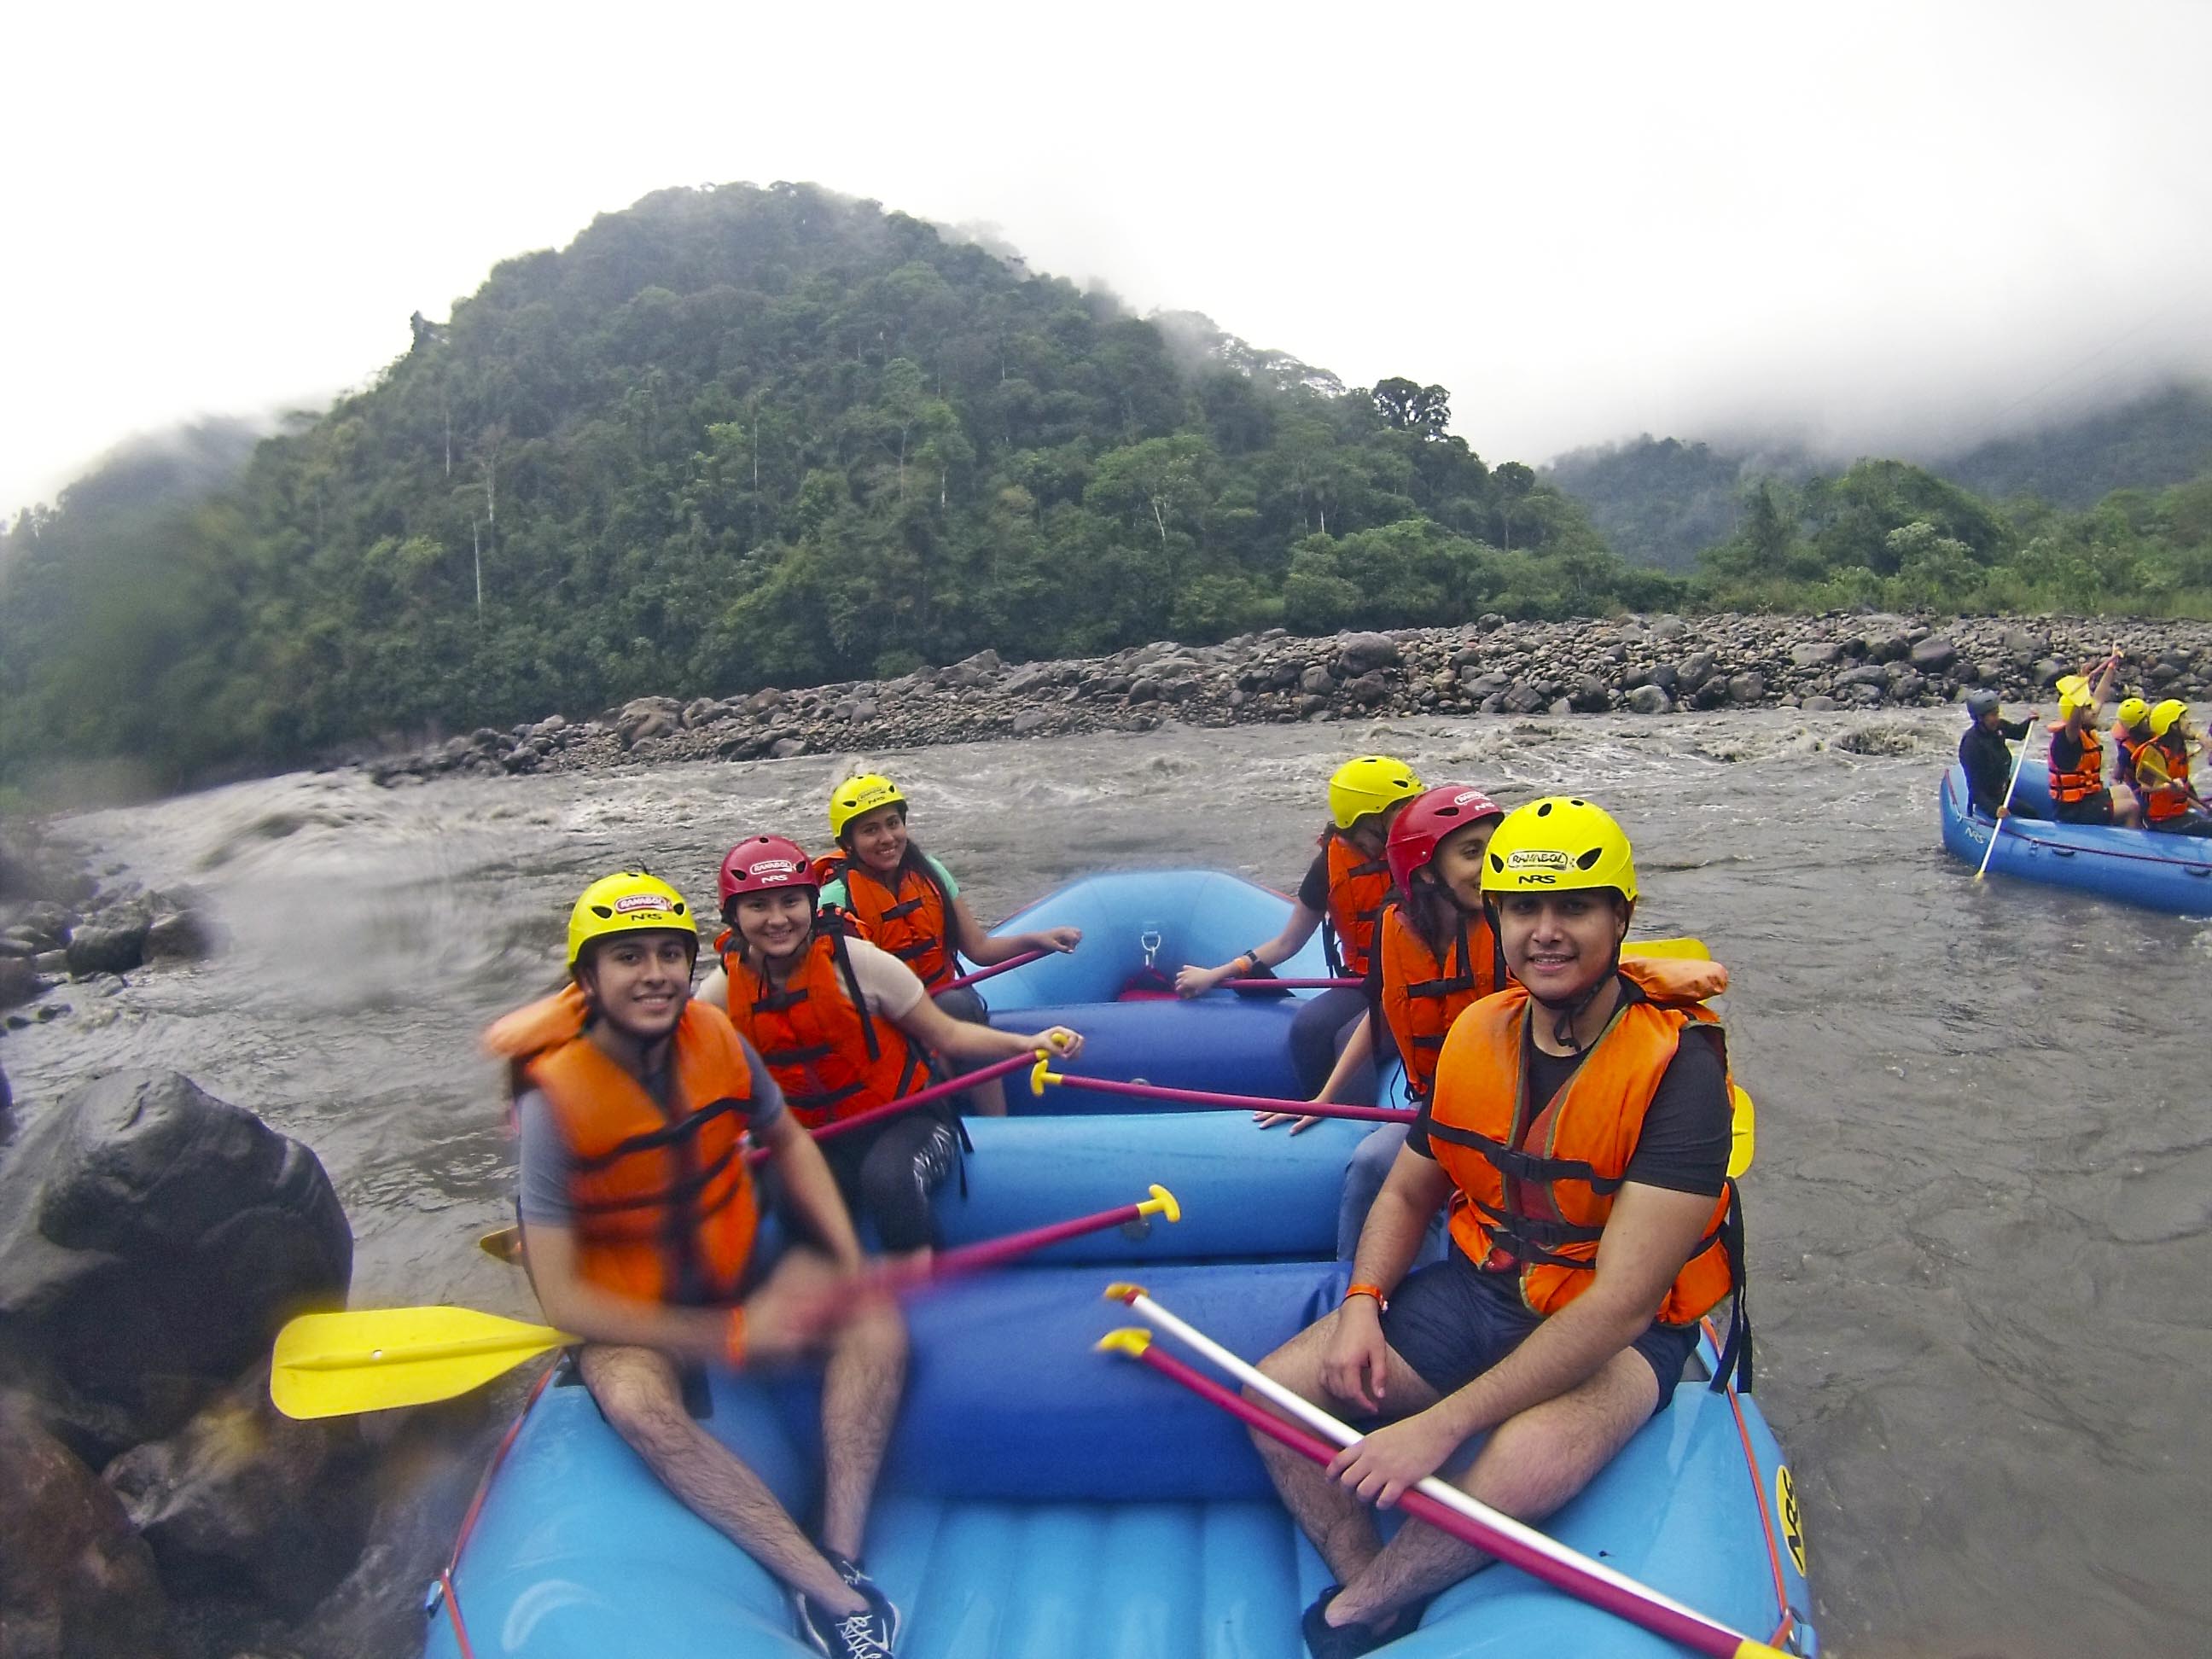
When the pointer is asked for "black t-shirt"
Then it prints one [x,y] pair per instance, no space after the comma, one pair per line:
[1684,1142]
[1312,892]
[1988,762]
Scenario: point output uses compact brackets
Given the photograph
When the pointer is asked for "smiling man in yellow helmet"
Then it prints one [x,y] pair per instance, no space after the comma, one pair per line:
[633,1100]
[2170,804]
[1579,1126]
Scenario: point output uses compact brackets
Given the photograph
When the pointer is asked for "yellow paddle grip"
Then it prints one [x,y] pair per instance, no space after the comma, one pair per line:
[1131,1340]
[1123,1290]
[1162,1202]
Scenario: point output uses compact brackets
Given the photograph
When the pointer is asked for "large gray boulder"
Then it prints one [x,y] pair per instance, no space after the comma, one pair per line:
[152,1240]
[243,1496]
[1361,654]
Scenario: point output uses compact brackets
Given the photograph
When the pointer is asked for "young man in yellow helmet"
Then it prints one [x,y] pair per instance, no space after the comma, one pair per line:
[639,1215]
[2130,731]
[1580,1122]
[2170,804]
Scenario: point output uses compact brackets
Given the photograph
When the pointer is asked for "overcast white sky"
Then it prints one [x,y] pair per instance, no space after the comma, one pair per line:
[1872,225]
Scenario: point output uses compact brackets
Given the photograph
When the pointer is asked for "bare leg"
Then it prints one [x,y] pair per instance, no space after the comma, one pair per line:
[641,1397]
[1531,1465]
[859,1396]
[1341,1526]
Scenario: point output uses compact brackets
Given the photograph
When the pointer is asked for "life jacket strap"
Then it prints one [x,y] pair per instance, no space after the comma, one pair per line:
[1530,1167]
[669,1134]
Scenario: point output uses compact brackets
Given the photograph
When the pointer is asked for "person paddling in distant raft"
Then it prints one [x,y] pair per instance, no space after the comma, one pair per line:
[1437,955]
[2171,804]
[1983,754]
[1580,1126]
[844,1027]
[638,1219]
[2130,731]
[2078,790]
[1344,888]
[908,903]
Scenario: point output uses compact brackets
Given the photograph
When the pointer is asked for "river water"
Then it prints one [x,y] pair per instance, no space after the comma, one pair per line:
[1981,1218]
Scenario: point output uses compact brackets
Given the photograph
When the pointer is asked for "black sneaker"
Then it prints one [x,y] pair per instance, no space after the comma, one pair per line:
[1327,1641]
[866,1635]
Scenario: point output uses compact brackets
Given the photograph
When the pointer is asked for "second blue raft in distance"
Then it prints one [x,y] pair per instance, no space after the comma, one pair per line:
[2172,873]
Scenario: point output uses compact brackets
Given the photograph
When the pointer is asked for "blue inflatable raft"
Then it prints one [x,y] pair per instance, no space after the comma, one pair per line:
[1044,1502]
[1138,927]
[2172,873]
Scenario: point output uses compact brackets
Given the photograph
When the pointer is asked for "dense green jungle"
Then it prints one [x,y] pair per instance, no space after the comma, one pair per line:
[737,436]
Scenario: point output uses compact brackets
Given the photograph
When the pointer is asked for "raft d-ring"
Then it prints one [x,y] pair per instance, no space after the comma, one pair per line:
[1150,938]
[2198,869]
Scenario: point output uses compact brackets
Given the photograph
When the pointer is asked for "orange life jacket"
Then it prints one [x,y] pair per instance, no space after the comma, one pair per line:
[909,916]
[1357,887]
[2086,778]
[661,1202]
[1536,1180]
[2127,744]
[1421,997]
[831,1058]
[2164,802]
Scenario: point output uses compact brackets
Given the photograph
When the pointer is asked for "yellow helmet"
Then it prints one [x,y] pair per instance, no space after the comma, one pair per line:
[1556,844]
[2166,716]
[1369,783]
[627,901]
[2133,711]
[855,796]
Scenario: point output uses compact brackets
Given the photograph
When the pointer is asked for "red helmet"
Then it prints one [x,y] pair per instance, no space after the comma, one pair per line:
[1427,819]
[761,864]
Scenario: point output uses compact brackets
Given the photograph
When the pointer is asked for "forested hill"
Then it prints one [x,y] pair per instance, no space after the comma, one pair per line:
[1662,502]
[738,436]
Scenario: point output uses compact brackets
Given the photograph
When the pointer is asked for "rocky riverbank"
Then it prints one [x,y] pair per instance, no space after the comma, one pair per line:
[60,923]
[1652,665]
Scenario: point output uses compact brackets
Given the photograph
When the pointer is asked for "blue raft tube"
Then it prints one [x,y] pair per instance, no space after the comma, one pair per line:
[2172,873]
[1042,1501]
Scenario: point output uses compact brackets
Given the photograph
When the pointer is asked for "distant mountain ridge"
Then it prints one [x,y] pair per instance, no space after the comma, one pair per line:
[1661,501]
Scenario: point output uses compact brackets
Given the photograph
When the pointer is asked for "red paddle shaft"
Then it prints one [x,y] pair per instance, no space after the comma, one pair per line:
[1230,1103]
[1699,1635]
[1006,967]
[935,1092]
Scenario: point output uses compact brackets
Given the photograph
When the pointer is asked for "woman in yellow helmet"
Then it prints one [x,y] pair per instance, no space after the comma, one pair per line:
[907,902]
[2078,792]
[1343,893]
[2130,731]
[2170,804]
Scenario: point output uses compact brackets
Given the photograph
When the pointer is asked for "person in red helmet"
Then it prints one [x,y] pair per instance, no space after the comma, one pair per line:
[1436,953]
[844,1027]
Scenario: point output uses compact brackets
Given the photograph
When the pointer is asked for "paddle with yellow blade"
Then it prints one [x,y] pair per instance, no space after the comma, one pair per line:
[331,1365]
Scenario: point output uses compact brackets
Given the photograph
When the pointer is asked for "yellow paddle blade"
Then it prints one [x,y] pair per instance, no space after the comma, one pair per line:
[1742,1134]
[373,1358]
[1682,950]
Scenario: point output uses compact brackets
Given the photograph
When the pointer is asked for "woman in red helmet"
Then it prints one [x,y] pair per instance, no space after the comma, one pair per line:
[844,1027]
[1434,954]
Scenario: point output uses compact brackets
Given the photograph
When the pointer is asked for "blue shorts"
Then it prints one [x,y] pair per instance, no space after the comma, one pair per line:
[1451,1321]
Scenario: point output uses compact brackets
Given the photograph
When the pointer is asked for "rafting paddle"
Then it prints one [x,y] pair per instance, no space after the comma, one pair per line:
[993,970]
[1441,1505]
[1042,1073]
[2004,806]
[331,1364]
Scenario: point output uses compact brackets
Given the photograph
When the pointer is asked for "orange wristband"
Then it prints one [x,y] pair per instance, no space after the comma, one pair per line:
[1374,1291]
[733,1338]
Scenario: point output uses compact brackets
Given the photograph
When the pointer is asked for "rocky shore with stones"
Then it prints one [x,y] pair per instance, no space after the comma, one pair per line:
[1651,665]
[61,924]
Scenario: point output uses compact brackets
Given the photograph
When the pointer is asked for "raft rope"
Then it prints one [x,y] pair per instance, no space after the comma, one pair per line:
[1787,1628]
